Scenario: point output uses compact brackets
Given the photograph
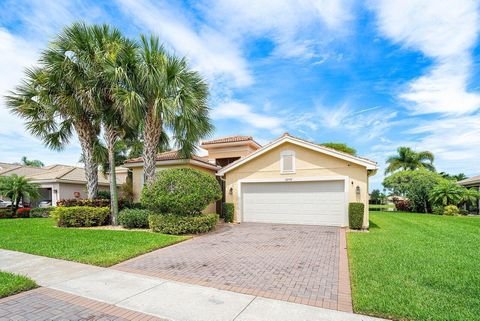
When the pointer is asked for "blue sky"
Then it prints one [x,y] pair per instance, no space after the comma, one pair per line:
[373,74]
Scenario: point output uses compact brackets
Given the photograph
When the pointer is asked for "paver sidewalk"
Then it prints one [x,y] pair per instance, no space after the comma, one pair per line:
[158,297]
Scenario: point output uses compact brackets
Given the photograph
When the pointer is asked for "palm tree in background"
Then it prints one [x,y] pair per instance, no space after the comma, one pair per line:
[162,93]
[407,159]
[31,162]
[17,188]
[55,99]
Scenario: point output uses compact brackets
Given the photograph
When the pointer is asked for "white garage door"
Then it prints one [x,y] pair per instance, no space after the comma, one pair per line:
[316,203]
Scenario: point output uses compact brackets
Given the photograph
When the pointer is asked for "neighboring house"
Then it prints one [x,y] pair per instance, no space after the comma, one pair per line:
[289,180]
[472,182]
[57,181]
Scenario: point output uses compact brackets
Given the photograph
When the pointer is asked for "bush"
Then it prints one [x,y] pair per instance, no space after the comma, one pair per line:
[41,211]
[133,218]
[79,216]
[84,202]
[228,212]
[451,210]
[179,224]
[23,212]
[402,205]
[105,195]
[355,215]
[181,191]
[437,210]
[6,213]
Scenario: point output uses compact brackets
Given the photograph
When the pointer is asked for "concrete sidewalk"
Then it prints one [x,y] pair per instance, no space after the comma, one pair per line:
[159,297]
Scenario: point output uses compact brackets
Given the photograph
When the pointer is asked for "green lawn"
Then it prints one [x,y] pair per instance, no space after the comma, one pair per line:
[417,267]
[11,284]
[98,247]
[381,206]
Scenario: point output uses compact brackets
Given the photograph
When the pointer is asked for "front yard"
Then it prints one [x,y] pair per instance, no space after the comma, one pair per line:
[11,284]
[40,236]
[417,267]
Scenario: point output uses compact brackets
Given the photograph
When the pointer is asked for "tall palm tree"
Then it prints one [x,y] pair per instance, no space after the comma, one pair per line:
[17,188]
[32,162]
[55,99]
[161,94]
[407,159]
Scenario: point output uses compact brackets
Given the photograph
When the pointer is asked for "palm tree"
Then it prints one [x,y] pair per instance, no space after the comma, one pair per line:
[162,93]
[447,193]
[55,99]
[407,159]
[470,196]
[17,188]
[33,162]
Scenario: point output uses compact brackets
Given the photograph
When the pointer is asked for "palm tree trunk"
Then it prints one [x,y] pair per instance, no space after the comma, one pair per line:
[152,132]
[111,137]
[87,137]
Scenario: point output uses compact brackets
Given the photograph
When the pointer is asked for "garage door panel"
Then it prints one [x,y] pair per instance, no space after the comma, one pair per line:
[320,202]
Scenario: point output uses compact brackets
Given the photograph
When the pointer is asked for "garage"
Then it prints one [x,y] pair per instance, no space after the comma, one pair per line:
[295,202]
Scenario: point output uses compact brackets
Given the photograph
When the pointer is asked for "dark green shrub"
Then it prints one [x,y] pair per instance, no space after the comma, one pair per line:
[451,210]
[133,218]
[355,215]
[41,211]
[105,195]
[78,216]
[228,212]
[84,202]
[437,209]
[6,213]
[179,224]
[181,191]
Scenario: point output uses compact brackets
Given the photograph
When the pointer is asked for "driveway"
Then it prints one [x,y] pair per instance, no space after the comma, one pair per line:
[296,263]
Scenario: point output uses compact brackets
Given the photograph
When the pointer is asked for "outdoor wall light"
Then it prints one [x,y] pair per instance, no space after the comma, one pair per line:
[230,191]
[357,190]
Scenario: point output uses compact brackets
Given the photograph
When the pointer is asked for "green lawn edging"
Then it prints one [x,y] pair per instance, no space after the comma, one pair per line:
[11,284]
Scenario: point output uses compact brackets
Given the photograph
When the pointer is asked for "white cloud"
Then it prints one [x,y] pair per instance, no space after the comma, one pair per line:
[296,27]
[244,113]
[445,31]
[209,50]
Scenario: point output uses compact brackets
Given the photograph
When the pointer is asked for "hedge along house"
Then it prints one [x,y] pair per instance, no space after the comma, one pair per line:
[294,181]
[289,180]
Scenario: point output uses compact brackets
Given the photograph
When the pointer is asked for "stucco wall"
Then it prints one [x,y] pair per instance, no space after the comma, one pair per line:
[67,190]
[229,151]
[308,163]
[137,181]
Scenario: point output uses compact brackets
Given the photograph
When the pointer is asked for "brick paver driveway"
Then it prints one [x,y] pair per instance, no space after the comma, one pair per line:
[296,263]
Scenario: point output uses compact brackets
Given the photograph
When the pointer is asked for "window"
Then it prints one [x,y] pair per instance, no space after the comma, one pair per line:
[287,160]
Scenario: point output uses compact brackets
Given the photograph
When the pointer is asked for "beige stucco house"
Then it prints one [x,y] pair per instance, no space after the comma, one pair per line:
[59,182]
[289,180]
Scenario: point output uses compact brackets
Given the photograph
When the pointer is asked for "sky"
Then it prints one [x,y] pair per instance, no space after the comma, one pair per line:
[375,75]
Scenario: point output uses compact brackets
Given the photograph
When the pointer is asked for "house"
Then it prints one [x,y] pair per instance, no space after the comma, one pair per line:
[472,182]
[58,181]
[289,180]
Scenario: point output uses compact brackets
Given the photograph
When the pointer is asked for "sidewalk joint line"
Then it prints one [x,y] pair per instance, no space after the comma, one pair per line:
[244,308]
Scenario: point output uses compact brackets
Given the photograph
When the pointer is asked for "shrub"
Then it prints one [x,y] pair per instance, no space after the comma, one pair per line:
[84,202]
[5,213]
[179,224]
[41,211]
[105,195]
[23,212]
[355,215]
[451,210]
[181,191]
[78,216]
[402,205]
[133,218]
[228,211]
[437,210]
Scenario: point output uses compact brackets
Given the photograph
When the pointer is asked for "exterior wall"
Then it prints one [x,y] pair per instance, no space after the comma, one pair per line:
[137,181]
[229,151]
[308,163]
[67,191]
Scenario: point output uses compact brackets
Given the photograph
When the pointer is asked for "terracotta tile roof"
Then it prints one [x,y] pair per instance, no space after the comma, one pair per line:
[229,139]
[170,155]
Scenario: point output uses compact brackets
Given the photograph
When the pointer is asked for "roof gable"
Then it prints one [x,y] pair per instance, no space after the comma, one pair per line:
[286,138]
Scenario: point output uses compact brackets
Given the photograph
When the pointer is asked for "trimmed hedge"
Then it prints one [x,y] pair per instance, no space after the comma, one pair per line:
[84,202]
[6,213]
[181,191]
[176,224]
[41,211]
[355,215]
[133,218]
[228,211]
[80,216]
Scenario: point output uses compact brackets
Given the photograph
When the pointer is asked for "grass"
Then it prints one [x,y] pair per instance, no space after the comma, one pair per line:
[417,267]
[381,206]
[11,284]
[92,246]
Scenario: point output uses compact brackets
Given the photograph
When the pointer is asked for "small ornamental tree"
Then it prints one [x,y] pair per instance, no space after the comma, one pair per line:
[181,191]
